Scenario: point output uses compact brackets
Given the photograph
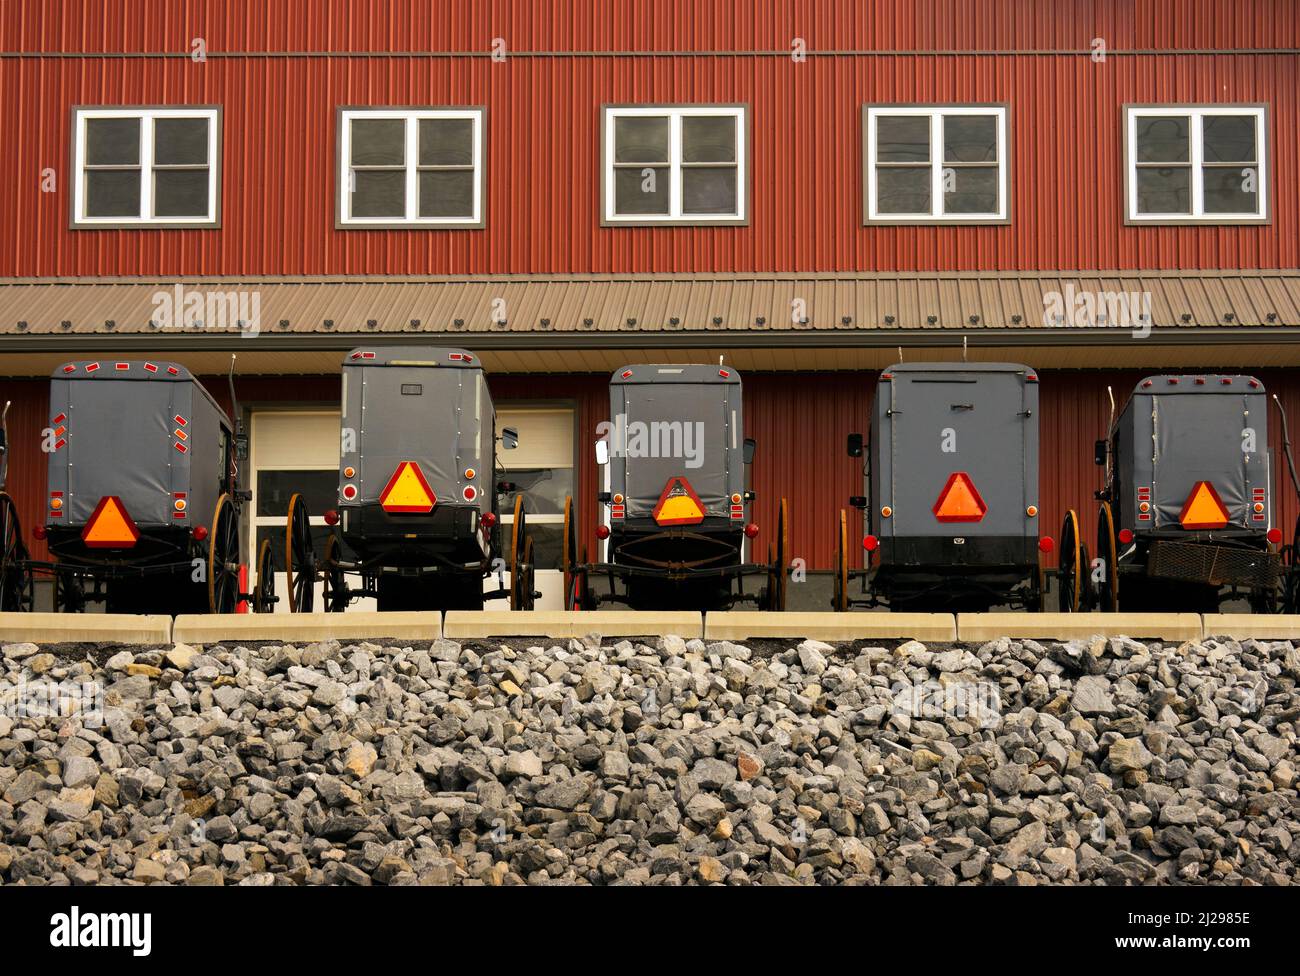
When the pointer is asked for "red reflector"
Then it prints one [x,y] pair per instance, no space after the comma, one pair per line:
[487,520]
[182,448]
[1203,508]
[1226,381]
[1045,544]
[602,532]
[1144,518]
[870,543]
[751,530]
[38,532]
[69,368]
[180,420]
[470,493]
[150,367]
[60,443]
[616,511]
[59,419]
[331,517]
[122,366]
[1126,536]
[200,533]
[626,373]
[723,373]
[1274,536]
[349,492]
[959,501]
[173,371]
[91,367]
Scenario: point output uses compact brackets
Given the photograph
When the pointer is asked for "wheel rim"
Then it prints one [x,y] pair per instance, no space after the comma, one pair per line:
[842,564]
[526,596]
[333,580]
[516,535]
[569,547]
[1068,570]
[264,594]
[223,555]
[299,557]
[779,559]
[1107,551]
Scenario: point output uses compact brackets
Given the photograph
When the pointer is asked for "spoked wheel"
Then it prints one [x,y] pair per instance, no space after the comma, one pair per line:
[521,555]
[299,557]
[1108,552]
[575,570]
[336,596]
[223,558]
[840,600]
[13,558]
[778,556]
[1071,567]
[264,598]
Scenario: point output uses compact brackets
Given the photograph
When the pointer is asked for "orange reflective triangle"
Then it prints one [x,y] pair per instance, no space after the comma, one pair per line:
[679,505]
[110,527]
[959,501]
[1203,508]
[407,491]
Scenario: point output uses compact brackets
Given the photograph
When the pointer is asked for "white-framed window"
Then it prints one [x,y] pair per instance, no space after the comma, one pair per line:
[674,164]
[1203,163]
[411,167]
[943,164]
[154,167]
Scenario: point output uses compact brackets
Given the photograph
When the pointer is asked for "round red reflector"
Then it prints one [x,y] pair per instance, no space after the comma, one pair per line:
[349,492]
[470,493]
[331,517]
[602,532]
[751,530]
[870,543]
[1126,536]
[487,520]
[200,533]
[1275,536]
[1045,544]
[38,532]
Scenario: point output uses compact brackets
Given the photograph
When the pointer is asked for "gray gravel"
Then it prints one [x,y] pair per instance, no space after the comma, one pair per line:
[667,762]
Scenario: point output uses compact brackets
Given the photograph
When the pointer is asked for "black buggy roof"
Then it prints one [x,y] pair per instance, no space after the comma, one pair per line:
[645,373]
[1198,383]
[948,367]
[445,356]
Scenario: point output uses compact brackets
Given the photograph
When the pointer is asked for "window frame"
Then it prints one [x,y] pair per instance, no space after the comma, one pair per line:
[1131,112]
[935,110]
[146,114]
[412,114]
[740,111]
[568,406]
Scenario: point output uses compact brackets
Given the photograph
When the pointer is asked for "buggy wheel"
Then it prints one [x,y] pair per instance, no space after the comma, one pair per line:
[299,557]
[13,558]
[223,558]
[525,577]
[778,556]
[264,588]
[569,554]
[840,600]
[1072,566]
[336,596]
[1108,590]
[517,536]
[1291,572]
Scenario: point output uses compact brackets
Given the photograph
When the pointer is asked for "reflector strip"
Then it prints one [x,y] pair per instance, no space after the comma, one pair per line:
[110,527]
[678,505]
[181,435]
[91,367]
[60,430]
[407,491]
[69,368]
[959,501]
[616,511]
[173,371]
[182,448]
[122,366]
[1203,508]
[60,443]
[180,420]
[150,367]
[59,419]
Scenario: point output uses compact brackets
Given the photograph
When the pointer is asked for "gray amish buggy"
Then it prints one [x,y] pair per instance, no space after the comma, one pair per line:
[951,499]
[143,504]
[675,502]
[14,576]
[418,513]
[1186,514]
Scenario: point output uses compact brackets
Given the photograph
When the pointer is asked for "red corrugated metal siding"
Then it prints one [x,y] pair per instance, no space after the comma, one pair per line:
[544,120]
[800,421]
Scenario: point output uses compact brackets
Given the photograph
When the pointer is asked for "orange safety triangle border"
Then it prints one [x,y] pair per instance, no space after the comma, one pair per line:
[1191,500]
[424,484]
[974,493]
[663,499]
[123,514]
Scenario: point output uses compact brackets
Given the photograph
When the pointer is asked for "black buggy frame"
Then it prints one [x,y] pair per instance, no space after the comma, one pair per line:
[415,419]
[1182,440]
[654,561]
[142,434]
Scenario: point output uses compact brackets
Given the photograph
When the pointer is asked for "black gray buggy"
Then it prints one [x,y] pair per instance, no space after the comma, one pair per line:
[675,504]
[1185,519]
[951,503]
[418,517]
[143,503]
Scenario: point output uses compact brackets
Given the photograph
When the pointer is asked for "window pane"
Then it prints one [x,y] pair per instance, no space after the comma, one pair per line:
[446,142]
[641,191]
[1164,191]
[903,191]
[1231,190]
[903,138]
[112,193]
[543,490]
[708,139]
[180,141]
[180,193]
[970,190]
[709,191]
[1228,139]
[640,139]
[970,138]
[447,193]
[1162,139]
[112,142]
[319,488]
[378,142]
[379,193]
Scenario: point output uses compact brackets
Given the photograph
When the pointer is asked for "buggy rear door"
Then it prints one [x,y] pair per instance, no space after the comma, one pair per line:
[948,424]
[677,429]
[1201,437]
[411,413]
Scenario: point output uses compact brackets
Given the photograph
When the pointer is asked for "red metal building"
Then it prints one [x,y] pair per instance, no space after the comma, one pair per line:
[805,188]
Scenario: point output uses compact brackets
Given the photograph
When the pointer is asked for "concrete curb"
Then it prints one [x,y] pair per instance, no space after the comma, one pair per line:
[1262,626]
[563,624]
[207,628]
[61,628]
[825,626]
[1072,626]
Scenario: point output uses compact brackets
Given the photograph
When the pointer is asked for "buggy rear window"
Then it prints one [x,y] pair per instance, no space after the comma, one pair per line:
[412,389]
